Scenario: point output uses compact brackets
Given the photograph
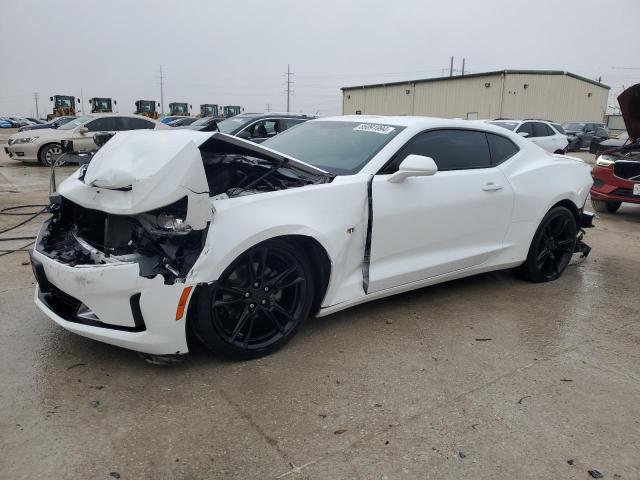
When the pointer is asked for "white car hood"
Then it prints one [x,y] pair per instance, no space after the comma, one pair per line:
[40,132]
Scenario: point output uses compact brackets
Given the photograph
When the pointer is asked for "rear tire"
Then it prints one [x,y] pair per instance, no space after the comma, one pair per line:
[258,303]
[603,206]
[552,247]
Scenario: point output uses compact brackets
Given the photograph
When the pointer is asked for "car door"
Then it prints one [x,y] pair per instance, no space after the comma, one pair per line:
[83,142]
[425,227]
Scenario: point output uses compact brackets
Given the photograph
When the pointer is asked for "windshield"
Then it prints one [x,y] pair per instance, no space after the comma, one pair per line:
[508,125]
[202,121]
[232,125]
[74,123]
[573,127]
[341,148]
[623,136]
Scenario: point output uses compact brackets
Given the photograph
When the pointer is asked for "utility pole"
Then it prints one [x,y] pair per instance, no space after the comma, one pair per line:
[289,74]
[161,91]
[268,107]
[451,68]
[82,101]
[35,97]
[463,60]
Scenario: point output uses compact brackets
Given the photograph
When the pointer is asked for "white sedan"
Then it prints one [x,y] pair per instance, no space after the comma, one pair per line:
[45,145]
[547,135]
[169,232]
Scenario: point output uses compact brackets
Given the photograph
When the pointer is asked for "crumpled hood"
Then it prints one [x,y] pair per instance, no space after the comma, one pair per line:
[36,132]
[131,158]
[629,101]
[139,171]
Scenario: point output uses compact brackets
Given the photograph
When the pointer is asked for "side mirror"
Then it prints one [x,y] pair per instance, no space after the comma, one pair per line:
[83,130]
[523,134]
[414,166]
[244,134]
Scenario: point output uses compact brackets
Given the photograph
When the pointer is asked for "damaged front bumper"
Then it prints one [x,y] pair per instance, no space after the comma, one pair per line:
[115,279]
[112,303]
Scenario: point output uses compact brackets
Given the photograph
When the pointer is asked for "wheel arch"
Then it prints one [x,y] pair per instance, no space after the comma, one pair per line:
[315,252]
[571,206]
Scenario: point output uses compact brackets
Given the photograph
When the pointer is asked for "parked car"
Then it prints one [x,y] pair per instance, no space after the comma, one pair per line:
[45,145]
[329,214]
[616,175]
[181,122]
[36,120]
[259,127]
[545,134]
[204,124]
[598,145]
[21,122]
[6,123]
[170,118]
[55,123]
[580,134]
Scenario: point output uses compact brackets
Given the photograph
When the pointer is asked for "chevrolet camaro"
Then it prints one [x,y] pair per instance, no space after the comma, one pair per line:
[167,233]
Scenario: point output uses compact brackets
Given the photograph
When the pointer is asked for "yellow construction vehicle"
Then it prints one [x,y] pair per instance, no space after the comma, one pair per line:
[101,105]
[232,110]
[147,108]
[209,110]
[177,109]
[63,105]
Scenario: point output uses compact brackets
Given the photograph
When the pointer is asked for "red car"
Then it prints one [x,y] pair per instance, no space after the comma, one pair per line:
[616,176]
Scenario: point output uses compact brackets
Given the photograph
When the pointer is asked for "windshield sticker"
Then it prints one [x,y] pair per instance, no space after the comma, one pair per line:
[372,127]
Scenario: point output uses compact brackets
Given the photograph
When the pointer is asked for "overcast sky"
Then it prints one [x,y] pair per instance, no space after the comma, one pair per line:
[235,52]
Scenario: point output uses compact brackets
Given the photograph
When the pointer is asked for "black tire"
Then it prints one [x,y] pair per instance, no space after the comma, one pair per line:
[603,206]
[552,246]
[47,153]
[258,303]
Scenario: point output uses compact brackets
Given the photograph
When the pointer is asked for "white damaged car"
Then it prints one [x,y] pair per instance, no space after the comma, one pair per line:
[170,232]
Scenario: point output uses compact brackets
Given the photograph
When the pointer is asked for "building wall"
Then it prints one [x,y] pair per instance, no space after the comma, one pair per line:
[556,97]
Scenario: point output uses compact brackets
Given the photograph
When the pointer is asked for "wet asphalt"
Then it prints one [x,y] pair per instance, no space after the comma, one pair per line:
[487,377]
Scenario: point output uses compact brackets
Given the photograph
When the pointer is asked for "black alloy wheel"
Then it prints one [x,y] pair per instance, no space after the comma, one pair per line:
[552,246]
[258,303]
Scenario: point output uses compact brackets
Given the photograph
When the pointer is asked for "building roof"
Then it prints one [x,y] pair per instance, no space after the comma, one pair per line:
[484,74]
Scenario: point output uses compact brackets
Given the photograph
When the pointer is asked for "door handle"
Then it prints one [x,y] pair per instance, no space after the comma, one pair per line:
[491,187]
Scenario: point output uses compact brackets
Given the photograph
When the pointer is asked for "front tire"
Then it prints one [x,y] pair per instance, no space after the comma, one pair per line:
[602,206]
[552,246]
[50,152]
[258,303]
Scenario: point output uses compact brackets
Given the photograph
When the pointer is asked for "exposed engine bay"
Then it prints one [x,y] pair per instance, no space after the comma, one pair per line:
[167,240]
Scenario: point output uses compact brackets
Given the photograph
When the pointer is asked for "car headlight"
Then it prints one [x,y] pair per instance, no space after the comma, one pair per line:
[24,140]
[605,161]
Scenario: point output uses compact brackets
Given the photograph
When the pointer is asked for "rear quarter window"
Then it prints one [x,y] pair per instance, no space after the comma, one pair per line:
[501,148]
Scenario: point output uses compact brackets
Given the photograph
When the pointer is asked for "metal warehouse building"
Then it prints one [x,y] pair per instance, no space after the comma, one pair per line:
[549,94]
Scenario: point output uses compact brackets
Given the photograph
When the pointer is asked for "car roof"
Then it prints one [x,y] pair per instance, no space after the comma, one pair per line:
[274,114]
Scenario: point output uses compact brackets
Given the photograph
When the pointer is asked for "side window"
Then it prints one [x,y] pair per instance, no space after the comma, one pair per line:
[291,122]
[527,128]
[101,125]
[559,128]
[501,148]
[132,123]
[541,130]
[450,149]
[264,129]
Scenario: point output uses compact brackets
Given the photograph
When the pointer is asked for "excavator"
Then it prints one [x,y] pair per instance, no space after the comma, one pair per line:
[63,105]
[177,109]
[147,108]
[232,110]
[101,105]
[209,110]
